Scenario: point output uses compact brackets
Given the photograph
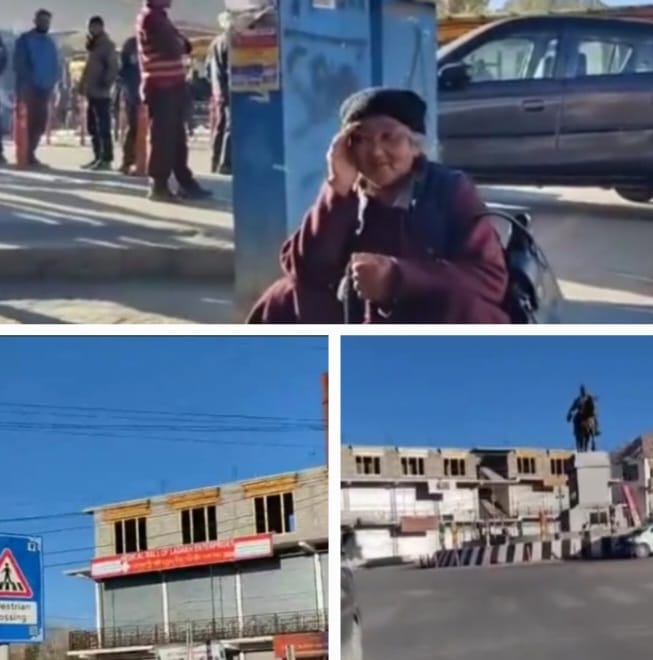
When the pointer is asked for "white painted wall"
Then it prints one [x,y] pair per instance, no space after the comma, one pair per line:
[370,499]
[409,505]
[414,546]
[374,543]
[524,501]
[460,503]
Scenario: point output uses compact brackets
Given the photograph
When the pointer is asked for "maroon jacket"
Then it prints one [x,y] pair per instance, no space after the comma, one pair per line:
[473,279]
[161,50]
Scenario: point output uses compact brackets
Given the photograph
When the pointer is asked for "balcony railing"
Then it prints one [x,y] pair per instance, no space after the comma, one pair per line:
[181,631]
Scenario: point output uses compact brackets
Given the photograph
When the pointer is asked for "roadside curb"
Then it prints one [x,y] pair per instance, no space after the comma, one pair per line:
[382,561]
[101,263]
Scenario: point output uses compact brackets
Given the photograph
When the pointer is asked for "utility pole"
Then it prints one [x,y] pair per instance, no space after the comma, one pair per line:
[561,499]
[325,414]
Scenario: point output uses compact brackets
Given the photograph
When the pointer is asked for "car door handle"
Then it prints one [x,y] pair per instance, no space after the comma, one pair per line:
[532,105]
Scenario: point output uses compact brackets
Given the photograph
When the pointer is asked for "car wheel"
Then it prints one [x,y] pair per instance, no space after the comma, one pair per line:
[642,551]
[637,195]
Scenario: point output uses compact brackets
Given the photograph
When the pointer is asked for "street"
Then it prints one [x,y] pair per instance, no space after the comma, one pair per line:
[589,611]
[87,247]
[597,244]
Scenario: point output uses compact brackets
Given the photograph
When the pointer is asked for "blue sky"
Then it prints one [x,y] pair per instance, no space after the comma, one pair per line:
[59,395]
[491,391]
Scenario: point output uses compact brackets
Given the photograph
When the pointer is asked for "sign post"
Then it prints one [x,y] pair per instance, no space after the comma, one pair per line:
[21,589]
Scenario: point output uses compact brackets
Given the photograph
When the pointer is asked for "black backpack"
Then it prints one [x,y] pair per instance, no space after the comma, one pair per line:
[533,294]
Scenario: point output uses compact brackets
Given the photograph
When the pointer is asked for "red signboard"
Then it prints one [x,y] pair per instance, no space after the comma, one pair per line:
[183,556]
[418,524]
[305,645]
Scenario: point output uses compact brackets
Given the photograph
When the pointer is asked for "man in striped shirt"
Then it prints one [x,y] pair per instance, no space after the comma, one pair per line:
[161,51]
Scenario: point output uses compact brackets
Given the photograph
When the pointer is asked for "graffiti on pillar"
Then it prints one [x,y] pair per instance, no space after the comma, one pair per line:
[325,58]
[320,73]
[417,78]
[320,83]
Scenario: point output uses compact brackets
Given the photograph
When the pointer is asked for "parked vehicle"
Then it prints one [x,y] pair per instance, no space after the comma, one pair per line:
[639,543]
[551,100]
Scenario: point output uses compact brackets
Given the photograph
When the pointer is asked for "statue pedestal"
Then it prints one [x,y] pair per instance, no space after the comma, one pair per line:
[589,488]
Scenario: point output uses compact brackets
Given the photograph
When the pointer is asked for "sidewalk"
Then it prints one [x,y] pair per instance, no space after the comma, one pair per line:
[69,224]
[124,301]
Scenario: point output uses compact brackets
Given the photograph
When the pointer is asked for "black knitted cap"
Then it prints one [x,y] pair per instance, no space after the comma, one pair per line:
[404,105]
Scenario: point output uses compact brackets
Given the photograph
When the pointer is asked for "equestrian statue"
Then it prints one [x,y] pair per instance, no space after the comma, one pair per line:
[584,416]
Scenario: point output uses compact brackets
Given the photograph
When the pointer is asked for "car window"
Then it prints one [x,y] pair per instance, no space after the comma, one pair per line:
[613,56]
[513,58]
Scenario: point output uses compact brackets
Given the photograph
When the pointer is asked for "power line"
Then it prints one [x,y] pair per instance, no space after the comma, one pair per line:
[187,441]
[315,499]
[158,428]
[163,413]
[70,514]
[47,516]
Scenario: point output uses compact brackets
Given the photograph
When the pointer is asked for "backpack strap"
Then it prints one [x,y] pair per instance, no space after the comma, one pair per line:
[433,213]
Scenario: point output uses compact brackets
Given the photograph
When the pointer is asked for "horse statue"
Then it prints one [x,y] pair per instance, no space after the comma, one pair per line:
[583,414]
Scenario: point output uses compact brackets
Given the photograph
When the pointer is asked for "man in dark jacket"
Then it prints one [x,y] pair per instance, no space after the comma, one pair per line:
[130,82]
[4,60]
[408,240]
[98,79]
[162,49]
[36,65]
[218,66]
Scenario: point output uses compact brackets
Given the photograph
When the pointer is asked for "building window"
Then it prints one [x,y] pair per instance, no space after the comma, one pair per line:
[631,473]
[412,466]
[525,465]
[275,514]
[199,525]
[130,535]
[454,467]
[368,465]
[558,466]
[599,518]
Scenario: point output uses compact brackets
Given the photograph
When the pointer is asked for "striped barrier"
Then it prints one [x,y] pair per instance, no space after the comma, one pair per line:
[606,547]
[507,553]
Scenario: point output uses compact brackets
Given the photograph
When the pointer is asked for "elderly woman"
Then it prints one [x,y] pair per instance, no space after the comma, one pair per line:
[407,236]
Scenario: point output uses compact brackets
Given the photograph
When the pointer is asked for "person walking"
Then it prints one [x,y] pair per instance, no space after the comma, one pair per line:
[99,76]
[37,70]
[130,81]
[161,50]
[218,66]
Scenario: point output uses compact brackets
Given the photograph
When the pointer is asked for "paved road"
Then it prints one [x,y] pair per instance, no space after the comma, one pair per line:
[599,245]
[586,611]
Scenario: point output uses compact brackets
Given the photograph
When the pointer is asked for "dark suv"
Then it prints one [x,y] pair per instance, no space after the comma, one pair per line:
[551,100]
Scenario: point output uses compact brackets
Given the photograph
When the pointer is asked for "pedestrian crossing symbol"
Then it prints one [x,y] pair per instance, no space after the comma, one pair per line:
[12,580]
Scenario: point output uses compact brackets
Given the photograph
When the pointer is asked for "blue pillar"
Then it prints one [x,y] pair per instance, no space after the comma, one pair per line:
[328,50]
[404,47]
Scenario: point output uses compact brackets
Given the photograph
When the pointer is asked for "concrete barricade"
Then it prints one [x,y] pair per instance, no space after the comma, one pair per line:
[507,553]
[523,552]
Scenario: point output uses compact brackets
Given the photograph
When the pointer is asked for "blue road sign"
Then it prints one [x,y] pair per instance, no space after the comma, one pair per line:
[21,589]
